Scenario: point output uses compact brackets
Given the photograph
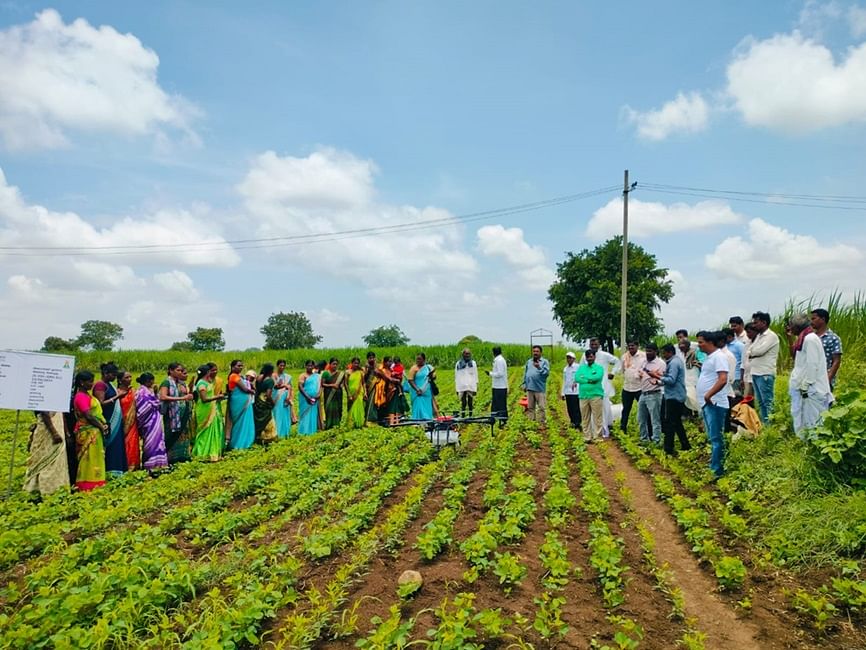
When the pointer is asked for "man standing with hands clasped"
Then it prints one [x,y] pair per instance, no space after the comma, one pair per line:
[535,375]
[649,408]
[590,379]
[570,390]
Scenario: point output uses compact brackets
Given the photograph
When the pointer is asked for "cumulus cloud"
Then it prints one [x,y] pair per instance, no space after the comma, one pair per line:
[529,262]
[334,191]
[686,113]
[65,290]
[793,83]
[648,218]
[57,76]
[771,253]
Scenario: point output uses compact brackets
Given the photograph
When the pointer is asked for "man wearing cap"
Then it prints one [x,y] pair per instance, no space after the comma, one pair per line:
[570,390]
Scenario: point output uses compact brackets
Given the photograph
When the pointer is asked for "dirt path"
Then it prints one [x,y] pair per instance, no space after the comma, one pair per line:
[715,618]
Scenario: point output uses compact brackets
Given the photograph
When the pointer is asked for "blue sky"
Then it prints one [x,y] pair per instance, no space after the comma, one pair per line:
[138,124]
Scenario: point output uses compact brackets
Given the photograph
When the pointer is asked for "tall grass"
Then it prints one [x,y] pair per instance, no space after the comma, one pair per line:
[847,319]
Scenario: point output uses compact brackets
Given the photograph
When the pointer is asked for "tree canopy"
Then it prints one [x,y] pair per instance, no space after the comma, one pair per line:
[586,293]
[386,336]
[99,335]
[58,344]
[207,339]
[289,331]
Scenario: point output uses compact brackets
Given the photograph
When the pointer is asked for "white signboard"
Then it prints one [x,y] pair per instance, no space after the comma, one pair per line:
[34,381]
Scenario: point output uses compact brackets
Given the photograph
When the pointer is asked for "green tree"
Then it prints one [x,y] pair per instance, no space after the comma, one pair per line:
[386,336]
[206,339]
[57,344]
[99,335]
[181,346]
[469,339]
[586,293]
[289,331]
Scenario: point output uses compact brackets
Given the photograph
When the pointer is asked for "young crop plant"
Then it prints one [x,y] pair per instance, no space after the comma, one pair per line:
[508,568]
[392,633]
[606,559]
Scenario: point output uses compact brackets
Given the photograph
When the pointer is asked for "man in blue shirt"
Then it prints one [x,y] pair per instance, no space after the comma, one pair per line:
[674,381]
[535,375]
[737,349]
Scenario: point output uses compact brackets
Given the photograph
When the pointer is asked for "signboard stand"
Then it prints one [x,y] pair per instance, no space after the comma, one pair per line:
[12,455]
[33,381]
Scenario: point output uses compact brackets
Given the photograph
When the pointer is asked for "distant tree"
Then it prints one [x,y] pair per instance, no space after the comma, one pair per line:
[207,339]
[586,293]
[469,339]
[386,336]
[289,331]
[181,346]
[99,335]
[57,344]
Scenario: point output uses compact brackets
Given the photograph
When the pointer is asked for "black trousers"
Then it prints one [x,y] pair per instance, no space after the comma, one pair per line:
[467,402]
[628,399]
[499,404]
[672,422]
[572,405]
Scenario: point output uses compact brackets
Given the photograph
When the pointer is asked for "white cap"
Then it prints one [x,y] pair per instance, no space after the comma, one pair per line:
[570,354]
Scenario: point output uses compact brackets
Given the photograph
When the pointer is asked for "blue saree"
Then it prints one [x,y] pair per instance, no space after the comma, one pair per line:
[308,414]
[422,405]
[115,445]
[241,413]
[282,412]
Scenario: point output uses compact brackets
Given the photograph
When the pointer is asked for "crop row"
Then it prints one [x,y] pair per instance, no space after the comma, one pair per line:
[138,571]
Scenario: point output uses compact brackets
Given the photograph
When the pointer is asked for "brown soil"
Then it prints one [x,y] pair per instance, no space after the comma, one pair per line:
[716,618]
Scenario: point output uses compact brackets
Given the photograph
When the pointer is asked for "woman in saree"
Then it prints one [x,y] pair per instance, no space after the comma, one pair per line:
[148,415]
[109,396]
[47,466]
[371,378]
[243,431]
[332,381]
[175,400]
[263,407]
[90,428]
[209,432]
[282,395]
[131,439]
[310,389]
[236,367]
[354,383]
[419,376]
[386,394]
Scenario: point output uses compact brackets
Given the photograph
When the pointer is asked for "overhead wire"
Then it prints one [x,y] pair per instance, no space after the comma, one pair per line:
[295,240]
[826,202]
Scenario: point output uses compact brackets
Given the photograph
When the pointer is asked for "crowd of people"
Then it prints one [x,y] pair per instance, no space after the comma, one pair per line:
[113,428]
[718,376]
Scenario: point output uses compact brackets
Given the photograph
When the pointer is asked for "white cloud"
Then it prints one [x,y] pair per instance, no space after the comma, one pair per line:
[857,21]
[30,225]
[529,262]
[66,290]
[333,191]
[56,77]
[648,218]
[794,84]
[768,253]
[686,113]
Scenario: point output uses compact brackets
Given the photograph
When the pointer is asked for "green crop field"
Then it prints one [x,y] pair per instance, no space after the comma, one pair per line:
[525,537]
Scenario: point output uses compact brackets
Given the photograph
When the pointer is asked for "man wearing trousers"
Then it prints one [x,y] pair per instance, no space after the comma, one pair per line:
[763,354]
[649,410]
[535,375]
[632,362]
[673,405]
[570,390]
[499,381]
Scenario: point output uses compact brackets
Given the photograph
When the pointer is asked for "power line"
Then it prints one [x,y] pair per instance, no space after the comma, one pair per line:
[769,198]
[296,240]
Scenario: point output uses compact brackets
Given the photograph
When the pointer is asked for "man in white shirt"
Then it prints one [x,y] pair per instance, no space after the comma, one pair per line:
[499,378]
[611,367]
[763,354]
[683,335]
[712,396]
[809,385]
[751,333]
[633,360]
[466,382]
[569,392]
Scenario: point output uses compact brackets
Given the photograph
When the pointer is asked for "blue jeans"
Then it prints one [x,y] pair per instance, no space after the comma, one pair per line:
[649,413]
[714,422]
[764,385]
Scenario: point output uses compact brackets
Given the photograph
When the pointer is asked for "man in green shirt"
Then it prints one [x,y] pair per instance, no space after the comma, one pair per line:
[590,378]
